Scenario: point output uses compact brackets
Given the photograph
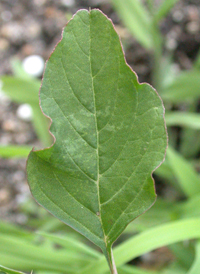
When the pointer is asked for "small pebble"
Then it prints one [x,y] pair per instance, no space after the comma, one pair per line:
[4,44]
[68,3]
[178,16]
[6,15]
[171,44]
[39,2]
[33,65]
[33,29]
[19,176]
[24,112]
[9,125]
[13,31]
[5,139]
[192,13]
[21,138]
[4,196]
[192,27]
[27,49]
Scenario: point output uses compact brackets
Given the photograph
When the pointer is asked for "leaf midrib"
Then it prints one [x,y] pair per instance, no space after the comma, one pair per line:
[95,117]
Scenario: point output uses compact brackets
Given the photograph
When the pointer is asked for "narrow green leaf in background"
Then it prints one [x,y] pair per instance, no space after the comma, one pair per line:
[8,270]
[109,134]
[21,90]
[14,151]
[25,90]
[187,177]
[196,265]
[184,119]
[185,87]
[164,9]
[137,20]
[149,240]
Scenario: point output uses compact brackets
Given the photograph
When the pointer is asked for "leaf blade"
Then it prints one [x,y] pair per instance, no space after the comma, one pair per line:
[113,125]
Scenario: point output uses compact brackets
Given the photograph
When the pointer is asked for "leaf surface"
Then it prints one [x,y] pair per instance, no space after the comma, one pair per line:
[109,134]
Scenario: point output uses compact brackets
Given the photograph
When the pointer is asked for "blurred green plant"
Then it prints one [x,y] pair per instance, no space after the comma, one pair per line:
[22,88]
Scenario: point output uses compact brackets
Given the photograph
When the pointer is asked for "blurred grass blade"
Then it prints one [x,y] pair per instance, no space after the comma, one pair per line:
[149,240]
[189,208]
[21,90]
[77,246]
[187,177]
[184,119]
[24,254]
[72,244]
[196,265]
[13,230]
[185,87]
[18,70]
[197,61]
[183,253]
[14,151]
[189,135]
[134,270]
[8,270]
[174,268]
[18,252]
[136,19]
[163,10]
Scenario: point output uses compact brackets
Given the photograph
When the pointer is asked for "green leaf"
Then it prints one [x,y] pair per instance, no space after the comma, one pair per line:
[188,178]
[184,119]
[189,208]
[164,9]
[136,19]
[8,270]
[147,241]
[109,134]
[19,71]
[71,244]
[26,254]
[196,265]
[21,90]
[14,151]
[185,87]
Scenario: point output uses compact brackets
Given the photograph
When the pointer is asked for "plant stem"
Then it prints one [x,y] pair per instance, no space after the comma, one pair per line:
[111,262]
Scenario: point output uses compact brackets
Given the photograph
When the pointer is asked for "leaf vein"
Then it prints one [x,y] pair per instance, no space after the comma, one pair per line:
[72,195]
[79,44]
[73,126]
[51,200]
[72,88]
